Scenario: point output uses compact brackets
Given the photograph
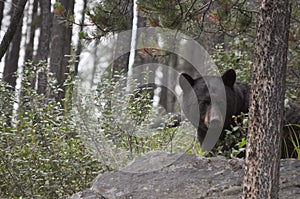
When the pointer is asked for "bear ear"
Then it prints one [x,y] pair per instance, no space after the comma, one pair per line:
[186,81]
[229,78]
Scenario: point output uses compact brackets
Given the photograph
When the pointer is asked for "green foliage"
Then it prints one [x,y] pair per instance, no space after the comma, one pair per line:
[232,16]
[163,13]
[119,125]
[41,154]
[6,104]
[295,138]
[234,143]
[57,5]
[196,17]
[109,16]
[237,55]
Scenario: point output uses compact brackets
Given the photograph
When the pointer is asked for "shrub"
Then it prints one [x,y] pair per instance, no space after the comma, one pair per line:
[41,154]
[117,123]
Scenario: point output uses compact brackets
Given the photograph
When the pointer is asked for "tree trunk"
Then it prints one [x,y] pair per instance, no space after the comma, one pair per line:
[12,54]
[44,41]
[267,108]
[32,25]
[1,11]
[79,46]
[45,35]
[61,45]
[16,18]
[120,64]
[167,98]
[141,58]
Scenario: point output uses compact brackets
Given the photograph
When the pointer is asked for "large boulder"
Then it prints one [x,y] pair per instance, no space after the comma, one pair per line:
[162,175]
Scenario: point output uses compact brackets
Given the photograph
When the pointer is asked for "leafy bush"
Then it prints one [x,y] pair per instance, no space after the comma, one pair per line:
[237,54]
[41,154]
[117,123]
[50,151]
[234,143]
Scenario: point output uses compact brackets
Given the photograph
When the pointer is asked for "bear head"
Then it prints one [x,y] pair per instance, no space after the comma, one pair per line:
[210,101]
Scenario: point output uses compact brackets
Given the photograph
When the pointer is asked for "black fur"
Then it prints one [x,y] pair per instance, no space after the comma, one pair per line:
[237,101]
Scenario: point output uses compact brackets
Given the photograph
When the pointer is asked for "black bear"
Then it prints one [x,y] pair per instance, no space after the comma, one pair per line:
[198,107]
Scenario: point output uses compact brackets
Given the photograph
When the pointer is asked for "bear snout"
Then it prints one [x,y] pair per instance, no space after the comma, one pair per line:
[213,117]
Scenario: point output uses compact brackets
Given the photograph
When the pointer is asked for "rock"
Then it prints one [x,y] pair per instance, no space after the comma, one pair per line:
[163,175]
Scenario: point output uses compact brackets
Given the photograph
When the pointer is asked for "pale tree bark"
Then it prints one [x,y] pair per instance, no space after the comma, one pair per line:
[31,16]
[263,152]
[79,46]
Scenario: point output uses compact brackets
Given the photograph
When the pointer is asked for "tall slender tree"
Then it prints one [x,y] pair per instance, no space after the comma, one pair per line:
[12,54]
[167,98]
[267,101]
[2,3]
[9,34]
[61,43]
[120,64]
[32,25]
[79,45]
[44,42]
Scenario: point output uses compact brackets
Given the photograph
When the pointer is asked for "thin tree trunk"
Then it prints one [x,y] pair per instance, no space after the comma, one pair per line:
[79,46]
[267,108]
[12,28]
[1,11]
[167,98]
[142,59]
[12,55]
[45,34]
[171,99]
[56,51]
[120,64]
[95,63]
[67,41]
[61,46]
[44,42]
[32,25]
[14,34]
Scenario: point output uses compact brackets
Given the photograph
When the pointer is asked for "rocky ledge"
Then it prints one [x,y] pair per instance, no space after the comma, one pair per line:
[162,175]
